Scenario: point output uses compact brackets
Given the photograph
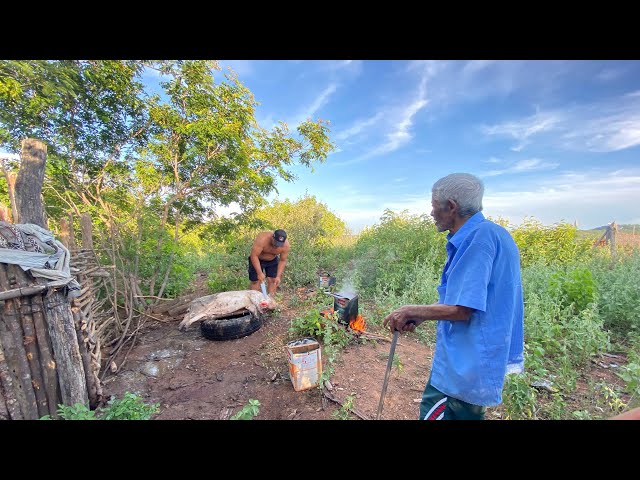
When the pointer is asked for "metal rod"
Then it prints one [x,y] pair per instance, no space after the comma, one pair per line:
[396,333]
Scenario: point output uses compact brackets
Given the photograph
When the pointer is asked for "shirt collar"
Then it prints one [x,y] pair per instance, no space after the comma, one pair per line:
[457,238]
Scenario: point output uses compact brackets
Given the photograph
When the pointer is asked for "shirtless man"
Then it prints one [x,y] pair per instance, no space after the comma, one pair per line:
[269,253]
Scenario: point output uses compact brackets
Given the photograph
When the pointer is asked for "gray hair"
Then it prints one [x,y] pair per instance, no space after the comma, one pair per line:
[463,188]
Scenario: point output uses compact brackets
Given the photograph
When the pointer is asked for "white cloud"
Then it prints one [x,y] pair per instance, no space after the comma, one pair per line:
[358,127]
[522,166]
[525,128]
[400,123]
[608,74]
[474,66]
[316,105]
[604,126]
[593,198]
[609,133]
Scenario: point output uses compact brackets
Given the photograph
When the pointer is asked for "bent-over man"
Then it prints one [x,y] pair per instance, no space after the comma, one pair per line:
[268,259]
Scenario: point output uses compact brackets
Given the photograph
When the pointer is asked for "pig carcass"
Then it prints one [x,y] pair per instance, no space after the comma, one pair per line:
[224,304]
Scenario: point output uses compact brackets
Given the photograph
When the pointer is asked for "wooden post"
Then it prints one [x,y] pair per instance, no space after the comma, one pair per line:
[28,188]
[612,240]
[66,350]
[12,339]
[66,233]
[87,235]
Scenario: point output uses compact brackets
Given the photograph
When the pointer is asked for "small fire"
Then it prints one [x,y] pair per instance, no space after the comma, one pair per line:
[357,324]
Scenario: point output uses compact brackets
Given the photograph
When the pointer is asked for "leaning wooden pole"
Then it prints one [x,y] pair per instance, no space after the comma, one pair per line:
[33,355]
[28,189]
[12,338]
[69,363]
[50,373]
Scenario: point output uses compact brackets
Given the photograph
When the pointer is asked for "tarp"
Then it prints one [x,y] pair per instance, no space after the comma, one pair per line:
[36,250]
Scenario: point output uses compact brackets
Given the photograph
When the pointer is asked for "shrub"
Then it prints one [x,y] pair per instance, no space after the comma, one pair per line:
[130,407]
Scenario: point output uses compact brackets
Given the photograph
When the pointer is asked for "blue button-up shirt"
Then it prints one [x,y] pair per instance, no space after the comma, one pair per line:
[482,272]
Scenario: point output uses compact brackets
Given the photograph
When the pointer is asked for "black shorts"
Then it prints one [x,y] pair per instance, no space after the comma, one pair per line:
[270,268]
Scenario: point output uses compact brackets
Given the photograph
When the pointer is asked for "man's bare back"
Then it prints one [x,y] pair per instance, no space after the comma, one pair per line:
[267,250]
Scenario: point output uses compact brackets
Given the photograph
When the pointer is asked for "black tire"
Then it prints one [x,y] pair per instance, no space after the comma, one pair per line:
[231,327]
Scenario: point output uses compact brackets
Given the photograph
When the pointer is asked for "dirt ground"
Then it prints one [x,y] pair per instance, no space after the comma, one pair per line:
[195,378]
[199,379]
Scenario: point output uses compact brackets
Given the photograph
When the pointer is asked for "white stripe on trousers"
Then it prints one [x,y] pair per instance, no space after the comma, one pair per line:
[438,403]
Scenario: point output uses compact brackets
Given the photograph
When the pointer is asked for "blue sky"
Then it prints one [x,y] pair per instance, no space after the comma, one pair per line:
[555,140]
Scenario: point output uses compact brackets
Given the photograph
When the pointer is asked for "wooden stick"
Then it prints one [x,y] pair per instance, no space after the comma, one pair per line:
[151,316]
[12,339]
[73,384]
[49,370]
[8,389]
[33,356]
[22,292]
[92,384]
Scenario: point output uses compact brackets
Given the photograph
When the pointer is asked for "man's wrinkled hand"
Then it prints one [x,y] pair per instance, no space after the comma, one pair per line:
[397,320]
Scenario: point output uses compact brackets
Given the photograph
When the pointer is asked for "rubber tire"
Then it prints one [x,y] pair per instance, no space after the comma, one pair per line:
[232,327]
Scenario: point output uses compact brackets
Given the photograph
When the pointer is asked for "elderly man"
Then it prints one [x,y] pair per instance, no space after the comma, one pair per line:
[480,312]
[268,259]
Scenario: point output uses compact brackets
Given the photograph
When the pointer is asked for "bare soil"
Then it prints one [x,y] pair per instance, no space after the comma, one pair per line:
[191,377]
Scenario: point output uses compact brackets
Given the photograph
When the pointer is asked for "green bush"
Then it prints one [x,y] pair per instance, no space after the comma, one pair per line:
[228,272]
[130,407]
[618,292]
[576,287]
[519,399]
[549,245]
[386,256]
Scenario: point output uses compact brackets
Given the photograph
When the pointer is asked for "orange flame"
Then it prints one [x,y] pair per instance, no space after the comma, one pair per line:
[357,324]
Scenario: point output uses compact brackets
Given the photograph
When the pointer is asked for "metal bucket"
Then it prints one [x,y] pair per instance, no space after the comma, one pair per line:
[305,363]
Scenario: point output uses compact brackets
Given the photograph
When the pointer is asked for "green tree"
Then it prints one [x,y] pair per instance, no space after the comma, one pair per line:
[209,150]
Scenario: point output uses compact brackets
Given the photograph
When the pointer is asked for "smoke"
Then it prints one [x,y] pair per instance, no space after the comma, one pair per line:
[347,290]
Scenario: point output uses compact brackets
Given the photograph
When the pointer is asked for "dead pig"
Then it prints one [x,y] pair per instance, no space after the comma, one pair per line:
[226,303]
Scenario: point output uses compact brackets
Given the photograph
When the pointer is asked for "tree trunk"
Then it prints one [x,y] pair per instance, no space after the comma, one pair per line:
[87,236]
[11,185]
[66,233]
[28,188]
[64,339]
